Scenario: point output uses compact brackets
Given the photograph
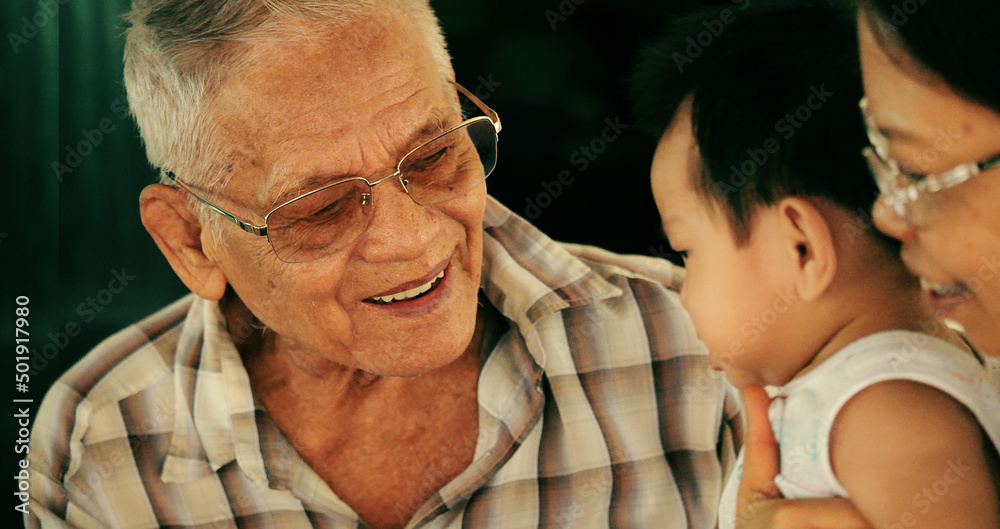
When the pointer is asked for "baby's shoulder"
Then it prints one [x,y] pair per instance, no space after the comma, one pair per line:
[888,386]
[897,355]
[895,376]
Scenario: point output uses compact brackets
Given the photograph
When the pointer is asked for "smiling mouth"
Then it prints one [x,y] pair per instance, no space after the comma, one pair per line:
[945,298]
[407,295]
[940,289]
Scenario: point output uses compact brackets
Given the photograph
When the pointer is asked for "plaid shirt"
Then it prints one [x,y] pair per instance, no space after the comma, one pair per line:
[597,409]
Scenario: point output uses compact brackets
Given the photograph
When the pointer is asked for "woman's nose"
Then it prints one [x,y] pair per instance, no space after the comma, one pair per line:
[889,222]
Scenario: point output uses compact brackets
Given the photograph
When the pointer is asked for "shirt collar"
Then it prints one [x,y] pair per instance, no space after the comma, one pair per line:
[527,275]
[215,412]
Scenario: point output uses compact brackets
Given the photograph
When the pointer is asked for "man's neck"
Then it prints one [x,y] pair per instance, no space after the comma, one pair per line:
[276,366]
[350,426]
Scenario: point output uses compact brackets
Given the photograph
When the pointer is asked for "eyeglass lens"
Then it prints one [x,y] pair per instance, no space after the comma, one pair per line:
[323,222]
[900,191]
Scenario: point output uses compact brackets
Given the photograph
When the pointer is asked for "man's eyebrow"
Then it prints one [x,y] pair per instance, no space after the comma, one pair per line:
[296,188]
[437,122]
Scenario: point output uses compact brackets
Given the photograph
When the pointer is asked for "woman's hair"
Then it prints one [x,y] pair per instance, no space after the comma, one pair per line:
[956,40]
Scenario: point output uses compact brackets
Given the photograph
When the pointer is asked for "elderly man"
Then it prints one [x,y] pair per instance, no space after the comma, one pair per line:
[411,356]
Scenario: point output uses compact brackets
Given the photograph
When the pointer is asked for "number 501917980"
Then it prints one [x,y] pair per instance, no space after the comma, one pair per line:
[21,340]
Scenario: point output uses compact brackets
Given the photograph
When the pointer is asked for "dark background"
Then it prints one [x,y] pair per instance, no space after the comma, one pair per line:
[555,71]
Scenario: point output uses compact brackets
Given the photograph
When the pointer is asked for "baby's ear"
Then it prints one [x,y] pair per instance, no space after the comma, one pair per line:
[808,243]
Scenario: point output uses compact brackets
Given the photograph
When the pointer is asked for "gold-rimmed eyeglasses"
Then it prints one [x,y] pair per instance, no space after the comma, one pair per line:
[322,221]
[906,191]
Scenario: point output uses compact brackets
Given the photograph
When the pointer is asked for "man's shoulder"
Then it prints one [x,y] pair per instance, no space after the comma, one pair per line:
[124,364]
[641,322]
[645,337]
[123,390]
[638,267]
[126,360]
[529,276]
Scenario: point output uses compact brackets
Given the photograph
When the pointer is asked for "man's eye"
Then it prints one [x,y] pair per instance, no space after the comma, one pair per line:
[429,160]
[332,209]
[319,212]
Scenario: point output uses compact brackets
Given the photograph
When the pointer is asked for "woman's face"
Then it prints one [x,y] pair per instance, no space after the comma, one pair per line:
[951,238]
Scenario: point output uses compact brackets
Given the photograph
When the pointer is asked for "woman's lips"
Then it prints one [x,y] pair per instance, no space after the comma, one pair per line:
[945,299]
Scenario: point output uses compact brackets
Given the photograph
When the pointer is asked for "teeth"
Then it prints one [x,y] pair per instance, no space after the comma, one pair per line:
[942,289]
[408,294]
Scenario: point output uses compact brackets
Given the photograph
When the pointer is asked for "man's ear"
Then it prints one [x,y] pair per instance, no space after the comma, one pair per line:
[809,244]
[177,233]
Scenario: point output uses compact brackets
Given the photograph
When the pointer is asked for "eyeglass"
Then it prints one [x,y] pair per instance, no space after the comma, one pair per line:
[325,220]
[908,192]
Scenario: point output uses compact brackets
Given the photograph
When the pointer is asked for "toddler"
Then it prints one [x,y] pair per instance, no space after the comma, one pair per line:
[763,192]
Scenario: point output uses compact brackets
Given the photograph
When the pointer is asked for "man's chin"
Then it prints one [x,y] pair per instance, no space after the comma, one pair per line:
[423,340]
[411,363]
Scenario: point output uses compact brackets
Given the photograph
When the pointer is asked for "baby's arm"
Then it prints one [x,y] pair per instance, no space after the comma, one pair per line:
[911,456]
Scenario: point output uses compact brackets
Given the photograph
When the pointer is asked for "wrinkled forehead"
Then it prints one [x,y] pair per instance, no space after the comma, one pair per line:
[304,102]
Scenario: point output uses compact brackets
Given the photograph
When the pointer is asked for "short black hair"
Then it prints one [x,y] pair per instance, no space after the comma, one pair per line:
[959,40]
[775,93]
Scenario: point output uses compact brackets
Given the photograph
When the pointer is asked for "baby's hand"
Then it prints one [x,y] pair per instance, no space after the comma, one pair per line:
[759,504]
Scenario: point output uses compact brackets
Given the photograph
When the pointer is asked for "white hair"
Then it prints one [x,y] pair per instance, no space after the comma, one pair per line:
[178,52]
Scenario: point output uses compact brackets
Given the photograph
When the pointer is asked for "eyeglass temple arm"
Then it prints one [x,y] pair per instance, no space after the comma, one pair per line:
[494,117]
[260,231]
[989,163]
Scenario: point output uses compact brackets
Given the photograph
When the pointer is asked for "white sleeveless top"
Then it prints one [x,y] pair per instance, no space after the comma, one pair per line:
[803,411]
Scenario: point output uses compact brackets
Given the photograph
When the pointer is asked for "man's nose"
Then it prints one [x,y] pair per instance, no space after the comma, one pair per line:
[399,228]
[890,223]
